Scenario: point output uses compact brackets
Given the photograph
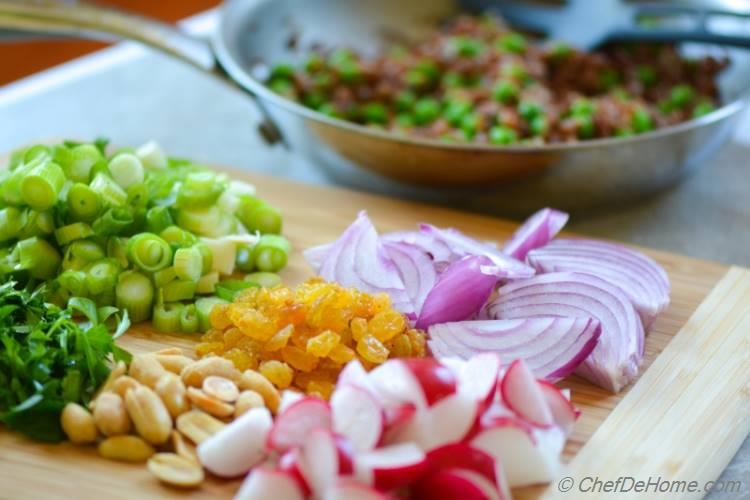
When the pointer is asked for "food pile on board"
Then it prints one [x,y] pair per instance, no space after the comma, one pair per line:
[417,364]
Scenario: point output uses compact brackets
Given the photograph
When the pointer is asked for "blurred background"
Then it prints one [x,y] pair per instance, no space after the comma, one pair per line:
[24,58]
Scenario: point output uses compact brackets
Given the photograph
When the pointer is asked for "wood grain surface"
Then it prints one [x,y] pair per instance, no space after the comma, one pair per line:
[670,422]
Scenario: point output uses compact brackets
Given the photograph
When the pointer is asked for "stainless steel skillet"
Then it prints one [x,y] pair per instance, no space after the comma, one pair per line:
[252,33]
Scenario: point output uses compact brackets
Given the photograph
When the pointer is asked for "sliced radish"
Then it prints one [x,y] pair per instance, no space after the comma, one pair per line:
[239,446]
[462,456]
[527,457]
[478,376]
[293,425]
[396,418]
[357,416]
[395,385]
[289,463]
[563,412]
[521,392]
[265,482]
[455,483]
[323,459]
[390,467]
[355,374]
[288,397]
[437,381]
[448,421]
[348,489]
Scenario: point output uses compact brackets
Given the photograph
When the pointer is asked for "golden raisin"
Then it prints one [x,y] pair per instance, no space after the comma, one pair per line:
[359,328]
[401,347]
[219,318]
[299,359]
[279,339]
[418,343]
[205,348]
[372,349]
[321,345]
[280,374]
[342,354]
[242,360]
[320,388]
[386,324]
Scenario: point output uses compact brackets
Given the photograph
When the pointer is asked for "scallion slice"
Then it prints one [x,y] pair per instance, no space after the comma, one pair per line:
[166,317]
[149,252]
[164,276]
[83,202]
[82,159]
[135,293]
[189,319]
[38,257]
[41,187]
[113,221]
[179,290]
[101,276]
[188,263]
[266,280]
[74,282]
[207,283]
[81,253]
[271,253]
[11,222]
[158,219]
[126,170]
[72,232]
[257,215]
[203,306]
[109,191]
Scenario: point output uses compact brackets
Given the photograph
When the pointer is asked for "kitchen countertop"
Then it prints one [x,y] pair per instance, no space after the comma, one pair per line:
[131,95]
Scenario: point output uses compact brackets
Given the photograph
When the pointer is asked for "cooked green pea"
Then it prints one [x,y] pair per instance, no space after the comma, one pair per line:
[426,110]
[283,87]
[405,100]
[405,120]
[529,110]
[582,107]
[452,80]
[560,51]
[665,106]
[681,95]
[285,71]
[415,78]
[314,63]
[516,71]
[329,109]
[322,81]
[339,56]
[502,135]
[623,132]
[505,91]
[703,108]
[609,78]
[313,99]
[470,125]
[586,127]
[641,121]
[646,75]
[512,42]
[455,111]
[538,125]
[466,46]
[349,71]
[375,112]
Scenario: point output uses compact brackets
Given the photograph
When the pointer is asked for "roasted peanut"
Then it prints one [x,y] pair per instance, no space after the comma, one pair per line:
[78,424]
[254,381]
[150,417]
[117,371]
[194,374]
[122,384]
[171,390]
[209,404]
[247,401]
[198,426]
[126,449]
[174,363]
[110,415]
[176,470]
[169,351]
[146,369]
[183,448]
[221,388]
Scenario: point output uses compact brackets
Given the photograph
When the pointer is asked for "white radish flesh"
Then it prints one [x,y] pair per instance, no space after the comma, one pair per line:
[521,392]
[357,416]
[390,467]
[293,425]
[264,483]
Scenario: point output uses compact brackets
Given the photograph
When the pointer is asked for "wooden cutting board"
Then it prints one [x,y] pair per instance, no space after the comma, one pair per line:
[683,419]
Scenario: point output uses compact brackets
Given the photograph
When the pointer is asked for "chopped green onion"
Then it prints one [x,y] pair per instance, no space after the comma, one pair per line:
[138,196]
[209,221]
[199,189]
[229,289]
[267,280]
[11,222]
[41,187]
[207,258]
[166,317]
[11,187]
[178,290]
[38,257]
[101,276]
[271,253]
[38,152]
[189,319]
[117,248]
[207,283]
[37,224]
[203,307]
[113,221]
[74,282]
[151,155]
[83,158]
[72,232]
[109,191]
[126,169]
[188,263]
[149,252]
[257,215]
[178,237]
[81,253]
[135,293]
[244,259]
[83,202]
[158,219]
[164,276]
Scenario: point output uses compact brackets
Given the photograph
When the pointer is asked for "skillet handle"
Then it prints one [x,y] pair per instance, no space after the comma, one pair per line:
[49,17]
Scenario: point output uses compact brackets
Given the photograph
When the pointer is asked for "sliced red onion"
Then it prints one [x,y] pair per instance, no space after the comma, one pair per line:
[316,255]
[537,231]
[357,259]
[416,269]
[461,245]
[616,358]
[459,293]
[552,347]
[643,280]
[438,251]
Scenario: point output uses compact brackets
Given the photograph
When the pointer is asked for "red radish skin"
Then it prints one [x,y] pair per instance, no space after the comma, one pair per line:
[265,482]
[462,456]
[288,397]
[521,392]
[390,467]
[293,425]
[289,463]
[239,446]
[358,416]
[455,484]
[437,381]
[563,412]
[348,489]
